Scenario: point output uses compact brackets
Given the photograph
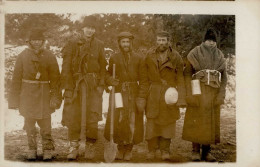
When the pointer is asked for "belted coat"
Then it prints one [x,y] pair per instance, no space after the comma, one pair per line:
[31,93]
[128,122]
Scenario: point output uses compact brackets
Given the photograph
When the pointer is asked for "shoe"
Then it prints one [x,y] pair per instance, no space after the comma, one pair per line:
[210,158]
[195,156]
[158,154]
[89,150]
[165,155]
[47,155]
[128,155]
[74,150]
[120,155]
[32,154]
[150,155]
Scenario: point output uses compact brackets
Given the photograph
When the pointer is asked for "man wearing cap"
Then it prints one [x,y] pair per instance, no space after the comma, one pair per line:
[206,63]
[162,85]
[35,91]
[83,72]
[128,120]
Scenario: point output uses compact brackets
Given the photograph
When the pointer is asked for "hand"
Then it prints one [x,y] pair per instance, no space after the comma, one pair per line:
[68,94]
[100,89]
[140,104]
[112,81]
[55,102]
[192,101]
[219,101]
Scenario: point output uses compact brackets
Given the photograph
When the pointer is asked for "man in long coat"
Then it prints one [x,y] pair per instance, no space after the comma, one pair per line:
[128,120]
[35,91]
[202,120]
[83,72]
[162,69]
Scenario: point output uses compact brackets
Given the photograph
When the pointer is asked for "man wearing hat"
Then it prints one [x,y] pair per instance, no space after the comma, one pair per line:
[206,63]
[162,85]
[128,120]
[35,91]
[83,72]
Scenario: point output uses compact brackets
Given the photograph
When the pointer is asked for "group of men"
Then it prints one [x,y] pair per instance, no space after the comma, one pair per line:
[142,81]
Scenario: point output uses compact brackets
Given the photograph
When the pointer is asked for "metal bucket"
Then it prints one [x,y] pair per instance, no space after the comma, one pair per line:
[118,100]
[195,87]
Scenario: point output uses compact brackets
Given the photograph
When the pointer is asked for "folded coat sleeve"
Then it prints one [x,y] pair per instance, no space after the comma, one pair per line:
[14,94]
[66,73]
[223,84]
[102,63]
[54,76]
[180,81]
[143,79]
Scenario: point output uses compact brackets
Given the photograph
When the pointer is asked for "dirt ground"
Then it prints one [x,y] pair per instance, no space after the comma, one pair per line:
[16,144]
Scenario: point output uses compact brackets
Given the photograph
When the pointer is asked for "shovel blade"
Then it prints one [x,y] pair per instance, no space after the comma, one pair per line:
[110,151]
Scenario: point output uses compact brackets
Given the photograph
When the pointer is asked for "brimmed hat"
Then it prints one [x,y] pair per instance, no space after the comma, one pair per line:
[210,35]
[125,35]
[36,34]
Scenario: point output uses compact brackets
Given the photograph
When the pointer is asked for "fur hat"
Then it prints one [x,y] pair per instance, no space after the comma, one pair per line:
[210,35]
[36,34]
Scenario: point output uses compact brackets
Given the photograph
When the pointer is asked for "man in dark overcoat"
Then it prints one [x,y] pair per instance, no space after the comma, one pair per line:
[207,64]
[83,72]
[35,91]
[128,120]
[162,69]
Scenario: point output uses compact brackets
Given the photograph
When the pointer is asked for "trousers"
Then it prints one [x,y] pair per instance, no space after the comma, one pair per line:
[45,131]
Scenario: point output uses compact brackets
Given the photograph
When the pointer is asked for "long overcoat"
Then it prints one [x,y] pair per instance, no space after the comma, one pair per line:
[155,80]
[202,118]
[27,93]
[83,62]
[128,122]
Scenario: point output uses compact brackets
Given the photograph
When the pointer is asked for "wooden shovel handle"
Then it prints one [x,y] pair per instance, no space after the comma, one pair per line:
[112,106]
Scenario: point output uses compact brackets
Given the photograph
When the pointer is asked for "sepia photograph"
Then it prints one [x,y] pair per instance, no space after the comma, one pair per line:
[120,88]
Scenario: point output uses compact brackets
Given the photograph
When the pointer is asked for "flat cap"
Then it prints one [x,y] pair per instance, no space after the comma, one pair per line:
[89,21]
[122,35]
[163,34]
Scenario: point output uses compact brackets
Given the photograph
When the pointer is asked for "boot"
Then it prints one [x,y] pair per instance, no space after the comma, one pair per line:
[120,154]
[165,155]
[128,155]
[47,155]
[90,150]
[150,155]
[195,156]
[74,150]
[210,158]
[32,154]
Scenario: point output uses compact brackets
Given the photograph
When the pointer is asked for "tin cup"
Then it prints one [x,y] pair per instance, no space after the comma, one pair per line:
[118,100]
[195,87]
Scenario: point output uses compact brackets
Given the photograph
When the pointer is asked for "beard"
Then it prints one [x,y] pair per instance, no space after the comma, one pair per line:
[162,48]
[125,49]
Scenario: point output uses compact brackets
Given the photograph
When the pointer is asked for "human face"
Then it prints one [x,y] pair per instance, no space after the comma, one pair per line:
[88,32]
[36,43]
[162,43]
[125,44]
[210,43]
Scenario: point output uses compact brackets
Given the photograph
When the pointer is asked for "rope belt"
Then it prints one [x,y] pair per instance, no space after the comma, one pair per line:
[35,82]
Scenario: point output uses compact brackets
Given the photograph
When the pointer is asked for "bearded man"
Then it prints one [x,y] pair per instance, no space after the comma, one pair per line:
[83,73]
[162,72]
[128,120]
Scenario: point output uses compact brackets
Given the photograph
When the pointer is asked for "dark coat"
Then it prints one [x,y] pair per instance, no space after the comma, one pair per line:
[128,75]
[155,80]
[33,99]
[92,72]
[202,118]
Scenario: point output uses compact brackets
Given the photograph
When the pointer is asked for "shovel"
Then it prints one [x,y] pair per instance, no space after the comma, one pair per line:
[110,149]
